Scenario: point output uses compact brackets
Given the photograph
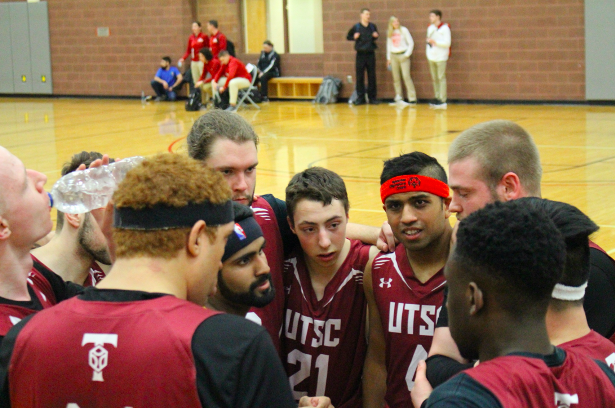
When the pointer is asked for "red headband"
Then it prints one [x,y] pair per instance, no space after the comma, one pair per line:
[405,184]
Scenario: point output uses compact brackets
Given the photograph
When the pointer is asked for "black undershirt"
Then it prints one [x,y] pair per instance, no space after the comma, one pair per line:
[236,363]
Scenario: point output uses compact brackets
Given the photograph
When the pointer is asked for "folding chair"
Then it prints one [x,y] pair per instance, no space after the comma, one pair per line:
[244,94]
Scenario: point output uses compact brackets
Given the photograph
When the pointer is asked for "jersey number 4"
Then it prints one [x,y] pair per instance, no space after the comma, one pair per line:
[305,361]
[419,354]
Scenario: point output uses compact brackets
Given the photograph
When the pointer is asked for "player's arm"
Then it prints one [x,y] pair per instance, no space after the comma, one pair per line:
[381,237]
[446,41]
[374,368]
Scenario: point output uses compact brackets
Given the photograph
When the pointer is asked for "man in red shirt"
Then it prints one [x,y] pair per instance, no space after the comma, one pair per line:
[405,288]
[233,76]
[211,66]
[24,219]
[196,41]
[501,275]
[78,246]
[566,319]
[217,40]
[323,341]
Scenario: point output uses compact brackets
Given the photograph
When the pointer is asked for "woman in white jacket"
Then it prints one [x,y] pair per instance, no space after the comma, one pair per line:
[399,48]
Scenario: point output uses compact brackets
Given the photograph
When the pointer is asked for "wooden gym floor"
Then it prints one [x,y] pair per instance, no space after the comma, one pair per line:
[576,143]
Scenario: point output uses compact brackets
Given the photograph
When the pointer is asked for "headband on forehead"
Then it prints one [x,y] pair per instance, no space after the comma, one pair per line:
[163,217]
[411,183]
[244,233]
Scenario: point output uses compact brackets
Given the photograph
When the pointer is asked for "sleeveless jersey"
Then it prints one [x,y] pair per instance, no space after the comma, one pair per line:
[408,311]
[519,381]
[270,316]
[39,289]
[108,354]
[593,345]
[323,341]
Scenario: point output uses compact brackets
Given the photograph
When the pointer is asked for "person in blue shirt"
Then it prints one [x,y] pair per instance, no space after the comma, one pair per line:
[166,81]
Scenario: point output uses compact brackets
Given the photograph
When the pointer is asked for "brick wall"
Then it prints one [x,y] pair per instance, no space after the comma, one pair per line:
[502,50]
[514,49]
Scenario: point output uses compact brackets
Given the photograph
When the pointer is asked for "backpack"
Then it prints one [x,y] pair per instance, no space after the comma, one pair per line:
[194,101]
[221,101]
[328,91]
[230,47]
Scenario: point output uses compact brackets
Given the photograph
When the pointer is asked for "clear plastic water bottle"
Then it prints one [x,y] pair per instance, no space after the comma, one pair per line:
[86,190]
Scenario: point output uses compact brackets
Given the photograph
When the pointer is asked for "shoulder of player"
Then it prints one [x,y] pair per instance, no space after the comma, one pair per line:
[220,330]
[462,391]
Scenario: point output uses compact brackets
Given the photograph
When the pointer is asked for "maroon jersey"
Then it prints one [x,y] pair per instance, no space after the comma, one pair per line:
[593,345]
[408,311]
[42,295]
[95,354]
[95,275]
[270,316]
[522,380]
[324,341]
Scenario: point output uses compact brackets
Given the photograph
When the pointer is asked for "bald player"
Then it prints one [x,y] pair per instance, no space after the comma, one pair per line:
[501,274]
[24,219]
[499,161]
[226,142]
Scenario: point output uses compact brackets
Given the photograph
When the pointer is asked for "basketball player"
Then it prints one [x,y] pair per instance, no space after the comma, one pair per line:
[226,142]
[324,342]
[78,245]
[566,320]
[499,161]
[405,288]
[244,280]
[504,266]
[24,219]
[141,336]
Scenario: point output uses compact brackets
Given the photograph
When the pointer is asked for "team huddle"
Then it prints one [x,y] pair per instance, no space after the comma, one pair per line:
[219,297]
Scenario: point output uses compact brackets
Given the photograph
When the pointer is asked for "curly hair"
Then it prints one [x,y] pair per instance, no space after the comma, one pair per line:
[173,180]
[417,163]
[217,124]
[316,184]
[515,247]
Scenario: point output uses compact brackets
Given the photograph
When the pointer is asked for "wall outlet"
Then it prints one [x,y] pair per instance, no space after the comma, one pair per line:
[349,79]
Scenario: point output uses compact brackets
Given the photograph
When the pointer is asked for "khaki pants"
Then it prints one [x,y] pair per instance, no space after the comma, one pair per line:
[196,69]
[438,76]
[234,86]
[206,92]
[400,66]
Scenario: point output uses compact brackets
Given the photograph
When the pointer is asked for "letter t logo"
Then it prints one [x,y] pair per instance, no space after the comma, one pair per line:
[98,357]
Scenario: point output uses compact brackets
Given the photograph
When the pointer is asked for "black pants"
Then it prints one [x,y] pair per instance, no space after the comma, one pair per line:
[263,80]
[160,91]
[366,61]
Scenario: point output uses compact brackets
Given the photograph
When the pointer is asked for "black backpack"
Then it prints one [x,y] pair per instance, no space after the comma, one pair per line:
[230,47]
[194,101]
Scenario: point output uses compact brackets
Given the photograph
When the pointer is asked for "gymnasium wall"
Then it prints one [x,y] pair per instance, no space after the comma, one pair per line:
[502,50]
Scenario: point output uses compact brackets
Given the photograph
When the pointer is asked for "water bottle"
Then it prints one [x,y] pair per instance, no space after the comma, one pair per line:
[86,190]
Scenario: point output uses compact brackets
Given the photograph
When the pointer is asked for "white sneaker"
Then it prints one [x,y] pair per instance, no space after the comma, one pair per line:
[398,98]
[440,106]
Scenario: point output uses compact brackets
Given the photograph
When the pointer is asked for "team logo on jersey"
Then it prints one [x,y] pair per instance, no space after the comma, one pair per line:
[98,357]
[385,282]
[241,234]
[565,400]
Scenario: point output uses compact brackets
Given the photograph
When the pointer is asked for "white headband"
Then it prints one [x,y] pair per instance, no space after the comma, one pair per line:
[569,293]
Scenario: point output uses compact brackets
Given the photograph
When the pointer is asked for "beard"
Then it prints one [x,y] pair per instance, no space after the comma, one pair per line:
[99,252]
[249,298]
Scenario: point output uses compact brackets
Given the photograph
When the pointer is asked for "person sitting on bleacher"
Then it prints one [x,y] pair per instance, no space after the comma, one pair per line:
[166,81]
[268,67]
[233,76]
[211,66]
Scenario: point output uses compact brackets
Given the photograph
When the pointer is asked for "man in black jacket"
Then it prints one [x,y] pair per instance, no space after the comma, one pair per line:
[364,35]
[268,67]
